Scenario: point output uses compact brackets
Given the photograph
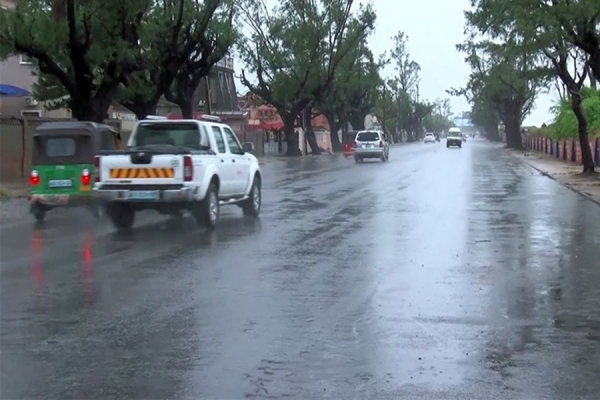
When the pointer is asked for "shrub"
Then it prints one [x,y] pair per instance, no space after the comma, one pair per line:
[565,123]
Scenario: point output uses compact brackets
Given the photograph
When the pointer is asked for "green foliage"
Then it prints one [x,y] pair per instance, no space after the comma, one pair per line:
[547,32]
[504,82]
[48,89]
[540,25]
[353,91]
[439,119]
[565,123]
[212,32]
[171,32]
[88,46]
[398,106]
[407,70]
[399,112]
[295,48]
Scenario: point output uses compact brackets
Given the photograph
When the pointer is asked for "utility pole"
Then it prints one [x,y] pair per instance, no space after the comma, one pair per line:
[208,103]
[384,107]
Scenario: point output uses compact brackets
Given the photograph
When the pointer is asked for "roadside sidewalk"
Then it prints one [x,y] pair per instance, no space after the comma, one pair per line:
[13,202]
[567,174]
[13,189]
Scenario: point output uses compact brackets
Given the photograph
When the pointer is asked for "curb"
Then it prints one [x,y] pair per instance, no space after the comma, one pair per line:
[546,174]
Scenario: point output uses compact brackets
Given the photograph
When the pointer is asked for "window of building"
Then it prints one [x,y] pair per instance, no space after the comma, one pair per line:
[25,60]
[31,113]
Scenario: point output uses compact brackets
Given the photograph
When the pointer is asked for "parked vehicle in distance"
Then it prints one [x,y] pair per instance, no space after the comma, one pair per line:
[429,138]
[454,138]
[62,164]
[371,144]
[173,166]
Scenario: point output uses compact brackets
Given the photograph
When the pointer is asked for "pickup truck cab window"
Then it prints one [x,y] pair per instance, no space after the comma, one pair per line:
[185,134]
[232,141]
[219,140]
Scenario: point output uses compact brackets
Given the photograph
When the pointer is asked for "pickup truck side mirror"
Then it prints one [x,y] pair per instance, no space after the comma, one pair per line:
[248,147]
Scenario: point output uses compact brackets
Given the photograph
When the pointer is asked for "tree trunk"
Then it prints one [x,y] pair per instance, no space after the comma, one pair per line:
[279,141]
[491,132]
[185,88]
[357,121]
[512,125]
[334,127]
[140,107]
[595,61]
[291,137]
[186,107]
[89,109]
[309,132]
[587,159]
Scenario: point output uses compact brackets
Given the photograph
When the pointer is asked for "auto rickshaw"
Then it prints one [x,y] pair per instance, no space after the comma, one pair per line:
[62,165]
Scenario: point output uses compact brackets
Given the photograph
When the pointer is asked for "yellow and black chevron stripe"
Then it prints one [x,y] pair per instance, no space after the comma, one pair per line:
[141,173]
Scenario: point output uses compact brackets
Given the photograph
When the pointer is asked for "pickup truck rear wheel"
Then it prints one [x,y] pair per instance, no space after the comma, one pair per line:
[206,212]
[251,207]
[122,215]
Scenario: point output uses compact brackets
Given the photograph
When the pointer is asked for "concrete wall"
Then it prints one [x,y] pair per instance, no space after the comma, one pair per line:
[568,150]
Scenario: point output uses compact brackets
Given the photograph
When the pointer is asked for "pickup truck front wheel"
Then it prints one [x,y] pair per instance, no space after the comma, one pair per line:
[122,215]
[251,206]
[206,212]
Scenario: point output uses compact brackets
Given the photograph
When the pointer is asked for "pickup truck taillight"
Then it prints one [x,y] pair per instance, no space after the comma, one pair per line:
[188,168]
[97,169]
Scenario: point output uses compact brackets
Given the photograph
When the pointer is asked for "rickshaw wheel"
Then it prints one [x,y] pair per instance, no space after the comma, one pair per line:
[39,215]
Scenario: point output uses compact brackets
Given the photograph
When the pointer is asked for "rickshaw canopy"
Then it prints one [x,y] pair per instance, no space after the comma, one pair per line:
[79,141]
[72,128]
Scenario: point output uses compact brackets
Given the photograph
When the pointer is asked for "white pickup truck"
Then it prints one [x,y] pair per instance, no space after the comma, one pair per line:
[173,166]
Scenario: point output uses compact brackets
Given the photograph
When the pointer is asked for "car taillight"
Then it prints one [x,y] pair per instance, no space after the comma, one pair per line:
[188,168]
[86,177]
[354,144]
[96,169]
[34,178]
[381,143]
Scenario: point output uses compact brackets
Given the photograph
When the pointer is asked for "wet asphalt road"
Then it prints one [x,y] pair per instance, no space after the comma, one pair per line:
[443,274]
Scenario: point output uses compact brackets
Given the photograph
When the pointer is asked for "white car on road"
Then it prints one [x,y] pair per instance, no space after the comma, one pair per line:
[429,138]
[173,166]
[371,144]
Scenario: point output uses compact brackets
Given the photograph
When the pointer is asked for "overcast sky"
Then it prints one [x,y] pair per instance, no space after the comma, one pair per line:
[433,27]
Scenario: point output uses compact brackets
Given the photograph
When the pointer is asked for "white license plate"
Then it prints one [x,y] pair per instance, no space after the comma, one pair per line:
[370,146]
[60,183]
[143,195]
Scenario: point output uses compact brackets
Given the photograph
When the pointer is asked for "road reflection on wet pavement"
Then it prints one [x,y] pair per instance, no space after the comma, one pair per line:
[443,274]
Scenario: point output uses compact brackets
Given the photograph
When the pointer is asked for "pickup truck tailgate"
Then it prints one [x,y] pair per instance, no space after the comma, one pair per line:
[126,169]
